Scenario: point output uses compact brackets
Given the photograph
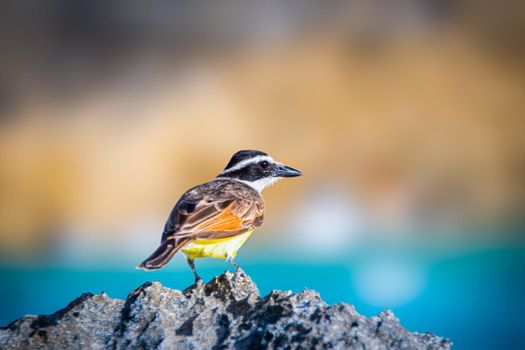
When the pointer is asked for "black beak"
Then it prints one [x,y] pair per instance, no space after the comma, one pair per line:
[286,171]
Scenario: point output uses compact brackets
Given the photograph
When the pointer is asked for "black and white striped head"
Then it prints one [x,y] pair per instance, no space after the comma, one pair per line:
[257,169]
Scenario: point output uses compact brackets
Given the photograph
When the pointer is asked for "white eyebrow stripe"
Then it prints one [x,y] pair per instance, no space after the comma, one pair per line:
[245,162]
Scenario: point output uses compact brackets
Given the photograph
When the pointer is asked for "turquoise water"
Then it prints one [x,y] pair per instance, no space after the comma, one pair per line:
[475,299]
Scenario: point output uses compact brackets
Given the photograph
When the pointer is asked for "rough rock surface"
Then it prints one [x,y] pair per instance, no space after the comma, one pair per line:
[226,313]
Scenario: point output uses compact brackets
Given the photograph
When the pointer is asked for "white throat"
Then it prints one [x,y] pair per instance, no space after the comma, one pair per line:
[261,184]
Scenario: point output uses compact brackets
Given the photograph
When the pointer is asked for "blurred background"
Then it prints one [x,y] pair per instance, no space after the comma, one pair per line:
[406,118]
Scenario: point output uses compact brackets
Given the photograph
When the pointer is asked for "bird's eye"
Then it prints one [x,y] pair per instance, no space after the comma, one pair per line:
[264,164]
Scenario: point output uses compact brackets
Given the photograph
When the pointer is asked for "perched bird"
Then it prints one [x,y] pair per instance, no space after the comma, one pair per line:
[216,218]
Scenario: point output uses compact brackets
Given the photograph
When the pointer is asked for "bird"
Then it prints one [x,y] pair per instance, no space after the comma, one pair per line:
[216,218]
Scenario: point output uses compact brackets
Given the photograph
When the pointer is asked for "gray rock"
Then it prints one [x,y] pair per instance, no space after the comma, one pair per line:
[226,313]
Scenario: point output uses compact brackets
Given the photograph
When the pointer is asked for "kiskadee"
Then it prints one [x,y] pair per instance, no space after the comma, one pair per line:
[216,218]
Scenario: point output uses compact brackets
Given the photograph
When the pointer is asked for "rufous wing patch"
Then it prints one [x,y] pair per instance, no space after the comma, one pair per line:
[225,221]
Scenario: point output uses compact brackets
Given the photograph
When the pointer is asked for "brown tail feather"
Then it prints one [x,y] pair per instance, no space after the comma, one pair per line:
[162,254]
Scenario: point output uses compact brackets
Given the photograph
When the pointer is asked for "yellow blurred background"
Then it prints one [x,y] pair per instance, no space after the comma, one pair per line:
[420,118]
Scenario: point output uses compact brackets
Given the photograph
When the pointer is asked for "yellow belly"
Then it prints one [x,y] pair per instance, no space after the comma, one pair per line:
[215,248]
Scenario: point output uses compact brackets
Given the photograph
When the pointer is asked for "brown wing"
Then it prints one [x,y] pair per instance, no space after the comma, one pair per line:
[215,215]
[236,218]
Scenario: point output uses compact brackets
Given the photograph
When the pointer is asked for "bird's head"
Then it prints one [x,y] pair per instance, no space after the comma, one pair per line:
[257,169]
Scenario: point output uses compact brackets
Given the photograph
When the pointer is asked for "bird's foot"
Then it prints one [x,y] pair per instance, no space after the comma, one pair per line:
[238,269]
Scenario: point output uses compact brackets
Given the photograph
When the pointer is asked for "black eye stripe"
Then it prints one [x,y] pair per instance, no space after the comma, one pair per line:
[264,164]
[249,172]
